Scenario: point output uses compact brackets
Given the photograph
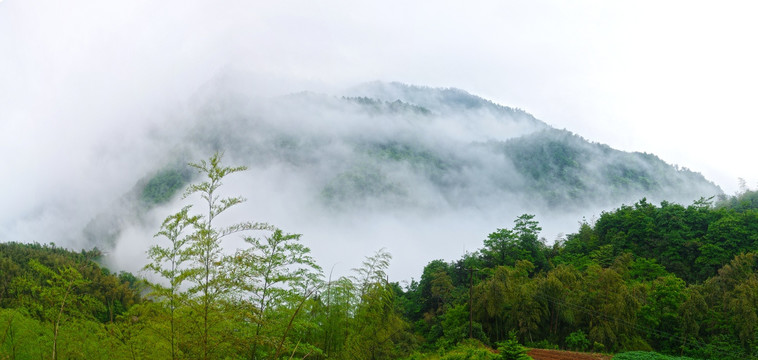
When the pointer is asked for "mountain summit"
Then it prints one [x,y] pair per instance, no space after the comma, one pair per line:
[391,145]
[386,165]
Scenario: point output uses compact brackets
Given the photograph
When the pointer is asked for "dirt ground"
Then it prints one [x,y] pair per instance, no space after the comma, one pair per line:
[540,354]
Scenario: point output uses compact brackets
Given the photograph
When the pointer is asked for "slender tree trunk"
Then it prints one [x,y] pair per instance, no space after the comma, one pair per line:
[206,300]
[205,312]
[258,326]
[57,322]
[328,329]
[55,341]
[292,319]
[262,304]
[9,334]
[173,346]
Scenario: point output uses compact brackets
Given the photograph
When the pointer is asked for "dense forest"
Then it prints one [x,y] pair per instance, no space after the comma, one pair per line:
[668,278]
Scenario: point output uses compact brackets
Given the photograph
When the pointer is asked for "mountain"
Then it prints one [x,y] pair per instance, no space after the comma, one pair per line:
[385,143]
[396,148]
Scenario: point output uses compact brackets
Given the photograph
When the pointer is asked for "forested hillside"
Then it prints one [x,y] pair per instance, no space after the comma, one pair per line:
[668,278]
[390,147]
[55,303]
[642,277]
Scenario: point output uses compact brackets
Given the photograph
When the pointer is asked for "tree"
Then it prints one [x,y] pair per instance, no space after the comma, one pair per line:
[501,248]
[57,295]
[554,289]
[167,262]
[491,303]
[373,271]
[428,303]
[506,246]
[205,272]
[21,337]
[507,300]
[339,308]
[527,232]
[377,328]
[610,306]
[273,273]
[661,310]
[511,350]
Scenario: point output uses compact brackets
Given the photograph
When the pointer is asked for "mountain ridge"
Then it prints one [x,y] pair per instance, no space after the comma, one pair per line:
[393,148]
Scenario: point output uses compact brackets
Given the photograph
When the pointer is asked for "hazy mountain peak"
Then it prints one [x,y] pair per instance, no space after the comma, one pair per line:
[440,100]
[418,160]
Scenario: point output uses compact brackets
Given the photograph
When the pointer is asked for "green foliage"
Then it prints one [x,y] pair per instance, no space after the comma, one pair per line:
[377,330]
[360,183]
[511,349]
[551,161]
[398,107]
[274,272]
[58,298]
[643,269]
[27,271]
[22,337]
[49,294]
[643,355]
[502,248]
[578,341]
[455,327]
[167,262]
[690,242]
[669,278]
[565,169]
[508,300]
[506,246]
[744,201]
[661,310]
[471,350]
[542,344]
[208,281]
[162,186]
[429,163]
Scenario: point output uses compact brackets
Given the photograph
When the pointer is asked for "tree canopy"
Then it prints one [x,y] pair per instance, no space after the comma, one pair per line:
[680,280]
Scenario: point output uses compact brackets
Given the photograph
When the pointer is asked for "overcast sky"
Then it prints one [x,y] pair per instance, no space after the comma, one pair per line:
[677,79]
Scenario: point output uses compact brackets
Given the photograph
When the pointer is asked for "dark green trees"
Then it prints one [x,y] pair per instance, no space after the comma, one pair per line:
[59,297]
[506,246]
[669,278]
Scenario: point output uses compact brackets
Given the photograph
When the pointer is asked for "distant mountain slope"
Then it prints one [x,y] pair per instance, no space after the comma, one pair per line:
[441,100]
[394,147]
[384,143]
[565,168]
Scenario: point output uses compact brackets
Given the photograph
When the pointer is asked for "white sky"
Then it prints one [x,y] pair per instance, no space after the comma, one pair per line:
[675,78]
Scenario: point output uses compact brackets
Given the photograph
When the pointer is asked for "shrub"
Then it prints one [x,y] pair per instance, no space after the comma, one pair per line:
[542,344]
[471,350]
[577,341]
[511,349]
[645,355]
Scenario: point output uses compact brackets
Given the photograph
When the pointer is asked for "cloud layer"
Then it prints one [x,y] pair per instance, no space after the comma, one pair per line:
[87,87]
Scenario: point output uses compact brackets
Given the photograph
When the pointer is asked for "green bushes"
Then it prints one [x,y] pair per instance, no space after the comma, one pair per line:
[577,341]
[511,350]
[471,350]
[643,355]
[164,185]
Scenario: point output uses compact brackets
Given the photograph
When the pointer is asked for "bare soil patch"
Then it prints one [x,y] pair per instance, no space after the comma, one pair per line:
[541,354]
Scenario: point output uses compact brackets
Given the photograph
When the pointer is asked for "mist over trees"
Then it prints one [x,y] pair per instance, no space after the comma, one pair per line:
[406,155]
[624,282]
[220,284]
